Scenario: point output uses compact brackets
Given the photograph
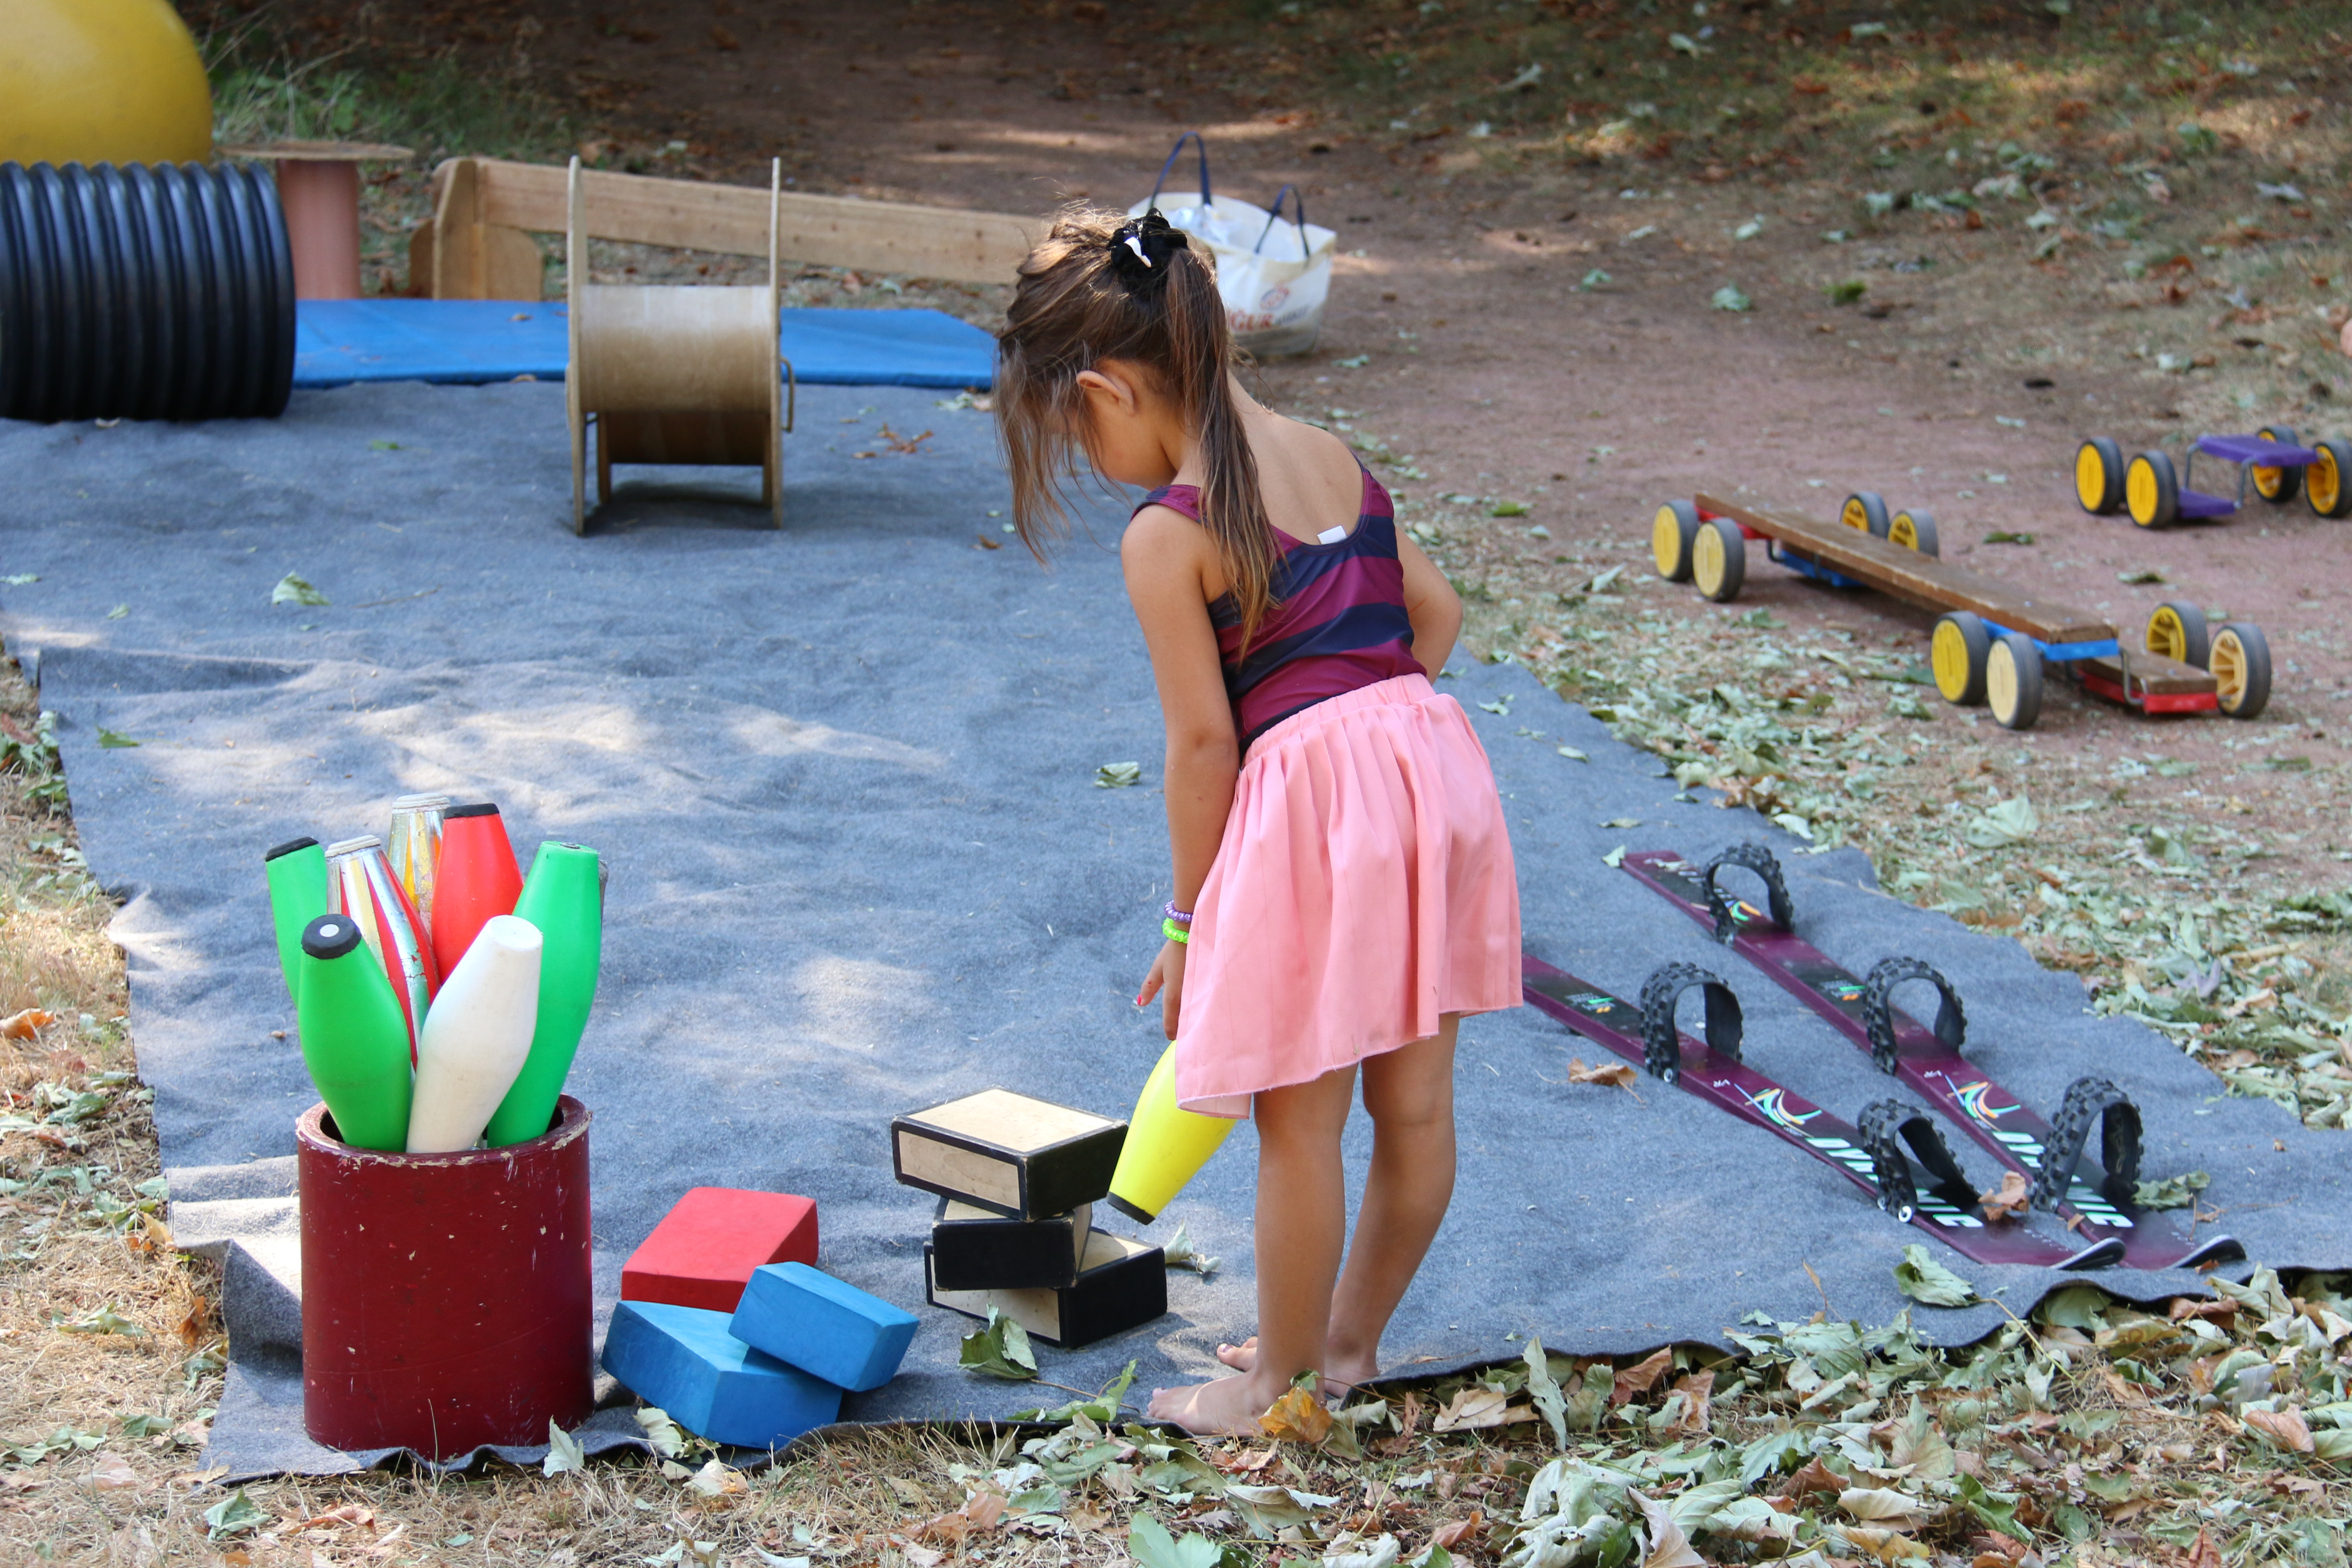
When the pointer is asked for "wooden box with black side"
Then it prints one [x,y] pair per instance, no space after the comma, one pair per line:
[1123,1286]
[1025,1159]
[974,1249]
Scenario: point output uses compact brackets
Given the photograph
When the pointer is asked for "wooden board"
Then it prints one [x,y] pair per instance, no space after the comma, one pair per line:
[1916,579]
[2153,672]
[826,231]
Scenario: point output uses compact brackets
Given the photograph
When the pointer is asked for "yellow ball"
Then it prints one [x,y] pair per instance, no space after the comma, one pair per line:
[102,81]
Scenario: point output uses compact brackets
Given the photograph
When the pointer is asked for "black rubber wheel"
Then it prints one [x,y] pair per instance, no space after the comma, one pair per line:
[2099,477]
[1671,532]
[2276,486]
[2241,663]
[1956,653]
[2327,483]
[1915,530]
[2152,490]
[2013,680]
[1719,560]
[2176,630]
[1866,510]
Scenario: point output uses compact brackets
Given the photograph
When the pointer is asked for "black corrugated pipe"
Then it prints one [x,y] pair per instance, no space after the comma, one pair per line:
[148,291]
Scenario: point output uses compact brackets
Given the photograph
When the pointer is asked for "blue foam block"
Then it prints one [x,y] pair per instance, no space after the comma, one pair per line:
[836,1331]
[712,1384]
[469,342]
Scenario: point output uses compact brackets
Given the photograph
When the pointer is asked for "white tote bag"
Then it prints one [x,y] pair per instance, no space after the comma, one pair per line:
[1273,274]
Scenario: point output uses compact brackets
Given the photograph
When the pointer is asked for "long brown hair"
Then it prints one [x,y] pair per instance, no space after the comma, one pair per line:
[1081,301]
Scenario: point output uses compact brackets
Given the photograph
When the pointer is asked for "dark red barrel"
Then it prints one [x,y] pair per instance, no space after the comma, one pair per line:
[447,1298]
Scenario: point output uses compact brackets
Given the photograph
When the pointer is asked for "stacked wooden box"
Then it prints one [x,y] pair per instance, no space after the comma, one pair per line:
[1017,1180]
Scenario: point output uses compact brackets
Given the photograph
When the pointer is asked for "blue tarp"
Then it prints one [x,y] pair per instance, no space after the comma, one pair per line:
[340,342]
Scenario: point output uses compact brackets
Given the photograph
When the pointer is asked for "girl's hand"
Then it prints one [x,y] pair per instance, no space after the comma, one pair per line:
[1168,973]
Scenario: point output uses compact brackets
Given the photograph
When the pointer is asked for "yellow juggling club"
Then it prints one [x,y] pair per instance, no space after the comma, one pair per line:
[1165,1146]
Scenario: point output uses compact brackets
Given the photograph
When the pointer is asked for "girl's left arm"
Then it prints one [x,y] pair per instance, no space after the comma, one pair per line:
[1431,604]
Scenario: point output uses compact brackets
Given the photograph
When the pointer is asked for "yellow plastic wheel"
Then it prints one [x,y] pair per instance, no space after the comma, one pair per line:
[2178,631]
[1671,532]
[2276,486]
[2324,484]
[2151,493]
[1866,511]
[2099,475]
[2242,669]
[1719,560]
[1915,530]
[1956,654]
[2013,681]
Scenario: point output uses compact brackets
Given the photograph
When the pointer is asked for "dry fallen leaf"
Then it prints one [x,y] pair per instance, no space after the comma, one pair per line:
[1669,1547]
[1298,1417]
[1884,1505]
[24,1025]
[2009,1201]
[1449,1536]
[1640,1377]
[349,1513]
[1477,1406]
[1619,1075]
[1815,1480]
[2203,1554]
[1695,1387]
[2285,1427]
[112,1472]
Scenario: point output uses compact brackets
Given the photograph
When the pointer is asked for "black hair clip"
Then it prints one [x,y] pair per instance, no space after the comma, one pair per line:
[1141,249]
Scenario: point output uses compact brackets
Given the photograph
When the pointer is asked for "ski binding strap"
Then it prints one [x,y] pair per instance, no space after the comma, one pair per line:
[1758,859]
[1880,1122]
[1878,1014]
[2119,1138]
[1662,1051]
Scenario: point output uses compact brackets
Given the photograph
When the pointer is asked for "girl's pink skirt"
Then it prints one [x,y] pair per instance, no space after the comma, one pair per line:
[1363,889]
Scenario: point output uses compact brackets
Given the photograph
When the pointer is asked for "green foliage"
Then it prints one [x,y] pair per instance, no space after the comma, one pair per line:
[999,1348]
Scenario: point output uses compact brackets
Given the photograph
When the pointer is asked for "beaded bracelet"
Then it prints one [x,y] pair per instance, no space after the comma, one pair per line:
[1174,932]
[1170,911]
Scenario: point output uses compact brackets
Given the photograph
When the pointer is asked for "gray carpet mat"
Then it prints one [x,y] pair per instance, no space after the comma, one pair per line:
[845,778]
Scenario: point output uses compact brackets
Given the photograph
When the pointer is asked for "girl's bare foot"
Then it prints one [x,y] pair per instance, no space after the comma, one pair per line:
[1227,1407]
[1338,1381]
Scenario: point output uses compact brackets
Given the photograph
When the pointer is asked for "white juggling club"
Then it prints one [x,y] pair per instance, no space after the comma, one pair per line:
[476,1037]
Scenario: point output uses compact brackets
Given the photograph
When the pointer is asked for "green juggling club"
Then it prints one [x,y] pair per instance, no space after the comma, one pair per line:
[298,895]
[564,898]
[355,1035]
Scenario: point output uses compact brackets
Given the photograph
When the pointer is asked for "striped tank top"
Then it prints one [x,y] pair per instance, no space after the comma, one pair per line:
[1338,621]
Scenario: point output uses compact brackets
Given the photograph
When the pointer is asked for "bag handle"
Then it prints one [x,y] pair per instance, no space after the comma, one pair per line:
[1177,152]
[1274,216]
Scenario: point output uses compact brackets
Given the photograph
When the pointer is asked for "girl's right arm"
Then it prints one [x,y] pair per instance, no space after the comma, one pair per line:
[1166,558]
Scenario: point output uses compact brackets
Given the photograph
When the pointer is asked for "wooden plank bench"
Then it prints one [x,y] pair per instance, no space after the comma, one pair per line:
[478,244]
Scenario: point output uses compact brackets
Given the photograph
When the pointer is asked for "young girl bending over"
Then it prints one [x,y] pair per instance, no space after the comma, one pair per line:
[1343,882]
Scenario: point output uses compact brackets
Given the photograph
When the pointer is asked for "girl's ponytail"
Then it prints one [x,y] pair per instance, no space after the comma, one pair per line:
[1103,286]
[1233,509]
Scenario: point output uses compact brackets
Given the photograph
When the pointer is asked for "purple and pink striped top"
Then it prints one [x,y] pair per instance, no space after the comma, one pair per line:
[1338,621]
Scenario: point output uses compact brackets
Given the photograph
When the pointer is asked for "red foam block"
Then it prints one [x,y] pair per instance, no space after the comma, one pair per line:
[703,1252]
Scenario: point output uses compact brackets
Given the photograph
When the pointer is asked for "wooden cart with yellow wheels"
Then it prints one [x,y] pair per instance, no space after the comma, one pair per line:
[1994,642]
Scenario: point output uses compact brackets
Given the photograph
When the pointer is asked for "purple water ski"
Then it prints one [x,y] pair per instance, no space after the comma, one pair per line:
[2097,1203]
[1942,1207]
